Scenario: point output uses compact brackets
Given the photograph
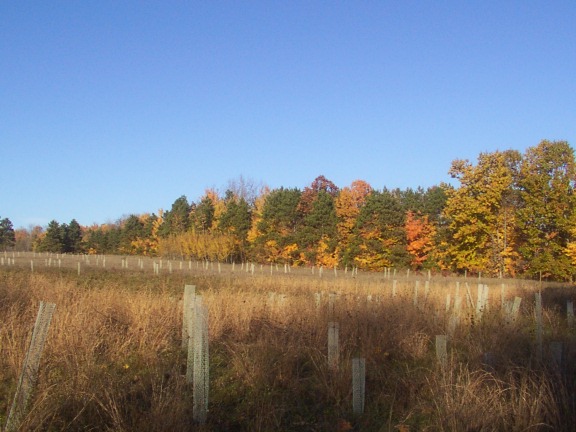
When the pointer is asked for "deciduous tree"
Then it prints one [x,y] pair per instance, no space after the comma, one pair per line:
[420,233]
[480,213]
[145,242]
[309,193]
[348,204]
[245,188]
[254,233]
[546,216]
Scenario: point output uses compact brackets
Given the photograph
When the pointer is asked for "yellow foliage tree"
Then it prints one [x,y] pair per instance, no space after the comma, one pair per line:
[481,213]
[218,203]
[148,245]
[571,247]
[325,257]
[258,208]
[197,245]
[348,204]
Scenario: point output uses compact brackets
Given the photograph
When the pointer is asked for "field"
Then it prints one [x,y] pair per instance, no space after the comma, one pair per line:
[113,359]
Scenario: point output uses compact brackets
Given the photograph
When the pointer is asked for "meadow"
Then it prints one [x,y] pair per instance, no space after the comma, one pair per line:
[113,359]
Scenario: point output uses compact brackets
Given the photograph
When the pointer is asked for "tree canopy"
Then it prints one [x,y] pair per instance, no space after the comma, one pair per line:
[507,213]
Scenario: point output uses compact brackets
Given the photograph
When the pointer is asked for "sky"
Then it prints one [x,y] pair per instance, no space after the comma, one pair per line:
[112,108]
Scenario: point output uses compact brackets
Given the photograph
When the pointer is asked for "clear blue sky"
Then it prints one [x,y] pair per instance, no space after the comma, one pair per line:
[109,108]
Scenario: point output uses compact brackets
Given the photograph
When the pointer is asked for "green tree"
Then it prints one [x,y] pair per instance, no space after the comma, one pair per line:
[103,239]
[7,235]
[318,235]
[203,214]
[380,238]
[53,240]
[429,202]
[177,220]
[150,221]
[412,199]
[278,226]
[72,237]
[236,221]
[546,215]
[132,229]
[434,202]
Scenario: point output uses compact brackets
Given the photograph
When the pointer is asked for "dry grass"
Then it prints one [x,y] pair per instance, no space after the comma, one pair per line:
[113,358]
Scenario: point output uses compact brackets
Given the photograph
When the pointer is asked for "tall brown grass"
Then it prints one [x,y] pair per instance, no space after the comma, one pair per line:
[113,359]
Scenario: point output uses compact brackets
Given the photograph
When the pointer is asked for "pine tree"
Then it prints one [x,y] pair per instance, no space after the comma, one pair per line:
[318,236]
[279,225]
[203,214]
[72,237]
[177,220]
[53,240]
[7,235]
[380,239]
[236,221]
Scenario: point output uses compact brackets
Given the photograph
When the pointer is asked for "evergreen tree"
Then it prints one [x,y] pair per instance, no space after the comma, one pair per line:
[279,225]
[72,237]
[412,200]
[236,221]
[104,239]
[131,230]
[434,201]
[177,220]
[7,234]
[149,225]
[53,240]
[320,225]
[380,238]
[203,215]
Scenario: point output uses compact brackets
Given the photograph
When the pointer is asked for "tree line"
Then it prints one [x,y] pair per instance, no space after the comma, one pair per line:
[509,213]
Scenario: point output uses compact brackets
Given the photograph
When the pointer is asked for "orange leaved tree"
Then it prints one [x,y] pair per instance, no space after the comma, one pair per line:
[420,233]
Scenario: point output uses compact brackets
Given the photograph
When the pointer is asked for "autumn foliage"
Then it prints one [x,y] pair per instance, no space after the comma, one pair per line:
[420,234]
[509,214]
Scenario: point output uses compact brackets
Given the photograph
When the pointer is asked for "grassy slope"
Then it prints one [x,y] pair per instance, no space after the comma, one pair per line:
[113,359]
